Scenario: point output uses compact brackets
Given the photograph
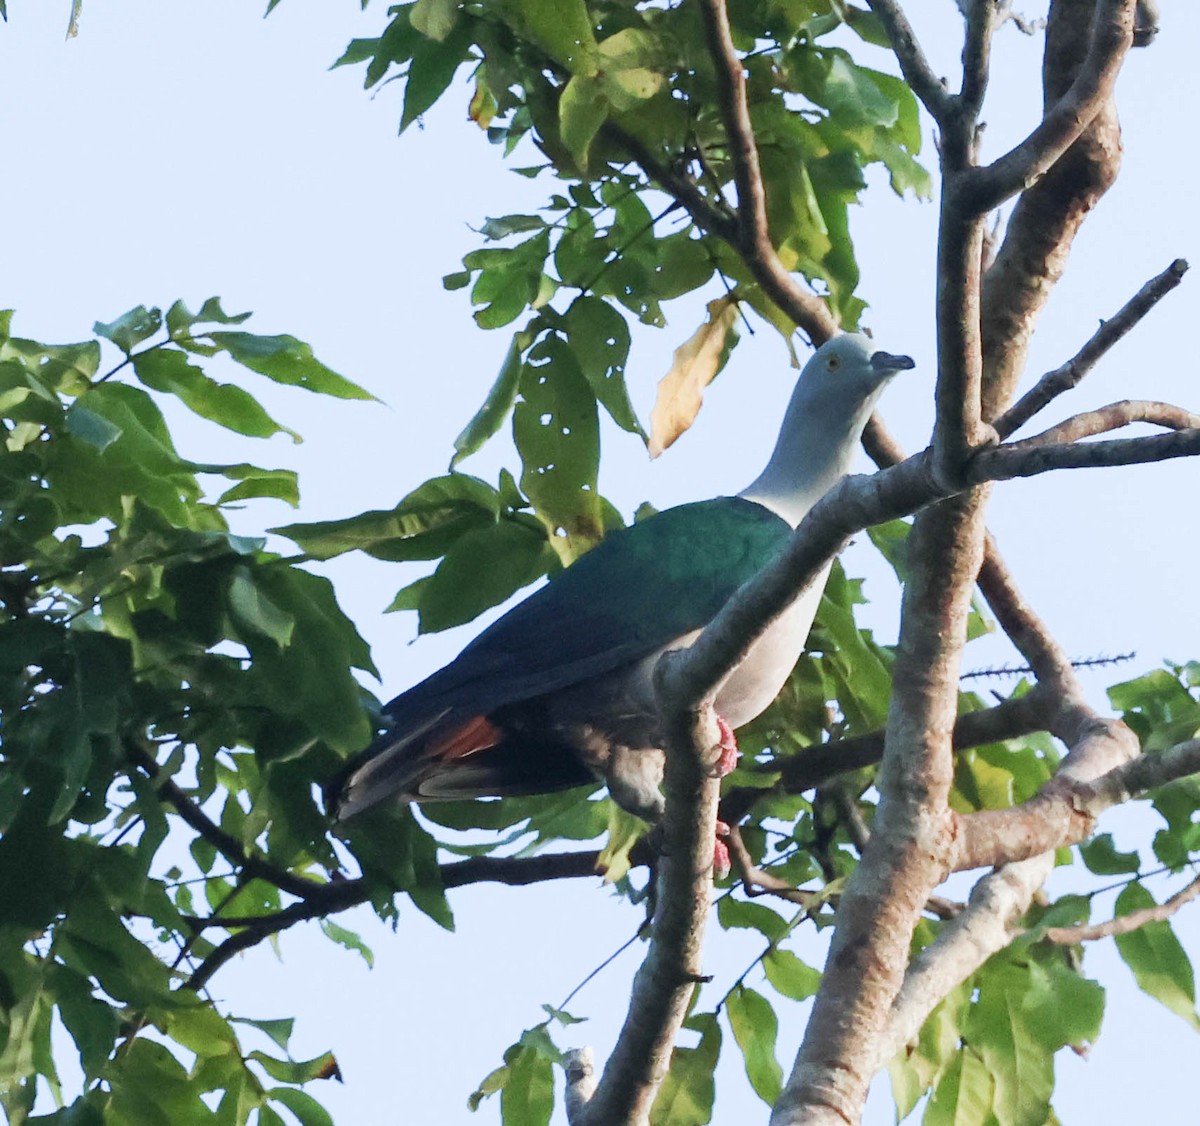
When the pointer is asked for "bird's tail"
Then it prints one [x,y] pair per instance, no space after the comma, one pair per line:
[449,758]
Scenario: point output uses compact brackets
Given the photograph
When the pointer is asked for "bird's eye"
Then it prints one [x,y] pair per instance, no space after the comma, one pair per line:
[834,363]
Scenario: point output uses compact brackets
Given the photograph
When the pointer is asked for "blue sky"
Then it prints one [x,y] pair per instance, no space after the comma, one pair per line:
[192,148]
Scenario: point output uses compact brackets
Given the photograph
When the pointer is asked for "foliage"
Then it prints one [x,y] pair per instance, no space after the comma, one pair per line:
[173,695]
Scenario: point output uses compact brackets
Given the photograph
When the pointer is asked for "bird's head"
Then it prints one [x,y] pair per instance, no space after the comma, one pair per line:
[851,365]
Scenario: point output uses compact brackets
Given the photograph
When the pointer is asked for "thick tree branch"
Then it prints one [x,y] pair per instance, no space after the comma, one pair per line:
[958,430]
[906,857]
[913,63]
[1069,375]
[986,925]
[981,24]
[1124,924]
[1110,38]
[999,900]
[1043,223]
[1093,778]
[667,978]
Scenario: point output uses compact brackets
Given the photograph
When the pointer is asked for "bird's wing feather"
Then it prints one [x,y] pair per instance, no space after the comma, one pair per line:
[638,590]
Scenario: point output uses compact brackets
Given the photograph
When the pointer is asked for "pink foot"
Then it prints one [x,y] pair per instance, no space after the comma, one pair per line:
[729,750]
[721,861]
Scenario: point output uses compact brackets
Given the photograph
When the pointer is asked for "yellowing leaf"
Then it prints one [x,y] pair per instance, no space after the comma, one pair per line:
[624,831]
[435,19]
[695,366]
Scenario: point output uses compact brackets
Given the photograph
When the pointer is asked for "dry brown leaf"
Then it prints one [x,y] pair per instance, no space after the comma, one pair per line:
[694,367]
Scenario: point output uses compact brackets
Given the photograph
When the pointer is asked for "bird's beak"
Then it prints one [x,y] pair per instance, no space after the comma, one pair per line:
[887,364]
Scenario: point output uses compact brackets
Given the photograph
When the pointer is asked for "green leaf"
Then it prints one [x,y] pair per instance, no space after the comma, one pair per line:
[733,912]
[307,1110]
[434,18]
[485,567]
[599,339]
[424,525]
[1158,961]
[168,371]
[252,609]
[280,1031]
[997,1028]
[434,64]
[93,1024]
[687,1093]
[527,1096]
[506,225]
[965,1095]
[349,940]
[790,976]
[90,427]
[561,28]
[851,93]
[755,1027]
[1102,857]
[284,359]
[131,328]
[491,415]
[582,109]
[180,319]
[323,1066]
[624,831]
[253,482]
[557,435]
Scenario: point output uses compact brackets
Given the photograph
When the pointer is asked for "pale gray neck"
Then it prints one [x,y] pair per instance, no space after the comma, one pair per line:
[815,449]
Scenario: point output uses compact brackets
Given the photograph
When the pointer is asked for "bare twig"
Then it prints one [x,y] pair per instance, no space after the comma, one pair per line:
[1008,462]
[1069,375]
[1114,416]
[251,866]
[1110,39]
[1123,924]
[753,239]
[757,881]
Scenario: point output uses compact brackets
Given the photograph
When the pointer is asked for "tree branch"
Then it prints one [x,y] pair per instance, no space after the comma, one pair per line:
[252,867]
[1123,924]
[667,978]
[1111,37]
[1070,374]
[913,63]
[1064,811]
[815,765]
[989,922]
[1114,416]
[981,24]
[1008,462]
[986,925]
[753,238]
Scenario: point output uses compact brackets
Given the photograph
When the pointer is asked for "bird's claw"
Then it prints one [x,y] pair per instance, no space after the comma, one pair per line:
[727,759]
[722,865]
